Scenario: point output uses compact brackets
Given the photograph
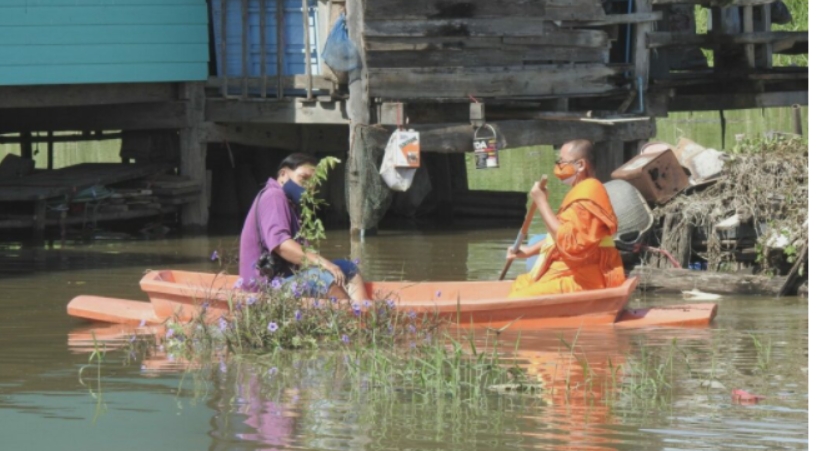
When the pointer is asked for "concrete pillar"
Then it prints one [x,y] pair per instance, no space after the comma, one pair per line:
[193,143]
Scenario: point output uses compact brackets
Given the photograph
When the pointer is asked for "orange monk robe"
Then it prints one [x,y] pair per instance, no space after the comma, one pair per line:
[582,255]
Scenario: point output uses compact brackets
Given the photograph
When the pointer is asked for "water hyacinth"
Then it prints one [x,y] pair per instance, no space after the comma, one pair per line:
[298,315]
[345,339]
[272,371]
[169,333]
[272,327]
[238,284]
[222,324]
[439,293]
[251,300]
[412,315]
[356,309]
[142,323]
[276,283]
[214,256]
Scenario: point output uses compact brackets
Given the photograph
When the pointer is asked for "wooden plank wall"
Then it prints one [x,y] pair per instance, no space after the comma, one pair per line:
[111,41]
[438,49]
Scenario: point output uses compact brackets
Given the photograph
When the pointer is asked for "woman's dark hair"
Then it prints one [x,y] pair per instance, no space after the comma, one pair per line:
[296,160]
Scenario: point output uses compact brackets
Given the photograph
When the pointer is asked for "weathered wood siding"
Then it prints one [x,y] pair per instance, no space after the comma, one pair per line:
[444,49]
[102,41]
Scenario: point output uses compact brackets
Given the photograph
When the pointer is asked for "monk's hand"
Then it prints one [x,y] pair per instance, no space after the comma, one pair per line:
[539,191]
[513,253]
[336,272]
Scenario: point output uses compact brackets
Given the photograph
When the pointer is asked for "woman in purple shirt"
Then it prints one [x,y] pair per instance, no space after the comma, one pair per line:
[273,222]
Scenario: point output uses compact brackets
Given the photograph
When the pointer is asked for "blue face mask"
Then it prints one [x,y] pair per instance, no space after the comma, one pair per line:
[293,191]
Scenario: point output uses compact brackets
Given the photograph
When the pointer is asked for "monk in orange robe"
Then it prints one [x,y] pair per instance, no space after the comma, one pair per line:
[579,252]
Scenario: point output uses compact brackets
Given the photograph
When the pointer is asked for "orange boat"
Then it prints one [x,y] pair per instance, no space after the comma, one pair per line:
[482,303]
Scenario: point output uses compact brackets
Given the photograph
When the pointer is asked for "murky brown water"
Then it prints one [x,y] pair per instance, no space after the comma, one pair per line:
[44,406]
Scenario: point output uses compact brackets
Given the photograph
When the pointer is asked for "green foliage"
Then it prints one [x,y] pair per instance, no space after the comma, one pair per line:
[311,228]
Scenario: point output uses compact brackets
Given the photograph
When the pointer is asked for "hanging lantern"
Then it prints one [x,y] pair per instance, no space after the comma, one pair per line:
[485,147]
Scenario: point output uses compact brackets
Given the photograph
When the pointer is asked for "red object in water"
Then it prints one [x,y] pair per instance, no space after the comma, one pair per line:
[743,397]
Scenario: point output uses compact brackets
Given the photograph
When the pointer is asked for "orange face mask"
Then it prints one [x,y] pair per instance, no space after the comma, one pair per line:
[565,172]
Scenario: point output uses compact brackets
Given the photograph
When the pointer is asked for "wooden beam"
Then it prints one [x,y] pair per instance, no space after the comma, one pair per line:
[463,28]
[709,102]
[506,56]
[136,116]
[325,138]
[714,3]
[452,9]
[658,39]
[277,111]
[7,139]
[458,138]
[85,95]
[456,82]
[288,82]
[616,19]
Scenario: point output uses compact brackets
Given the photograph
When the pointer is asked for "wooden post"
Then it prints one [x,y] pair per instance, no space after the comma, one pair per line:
[26,150]
[359,114]
[193,142]
[39,220]
[748,27]
[642,50]
[764,52]
[797,119]
[50,150]
[608,157]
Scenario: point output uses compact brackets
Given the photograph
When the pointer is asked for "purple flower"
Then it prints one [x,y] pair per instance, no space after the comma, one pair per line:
[412,315]
[390,303]
[272,371]
[204,307]
[428,338]
[142,323]
[272,327]
[356,261]
[251,300]
[296,291]
[253,282]
[366,304]
[223,367]
[238,283]
[344,339]
[132,338]
[356,309]
[411,329]
[439,294]
[222,324]
[169,333]
[316,304]
[276,283]
[333,300]
[298,315]
[214,256]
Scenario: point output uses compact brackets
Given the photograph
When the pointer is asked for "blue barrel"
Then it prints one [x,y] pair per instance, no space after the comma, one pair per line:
[294,45]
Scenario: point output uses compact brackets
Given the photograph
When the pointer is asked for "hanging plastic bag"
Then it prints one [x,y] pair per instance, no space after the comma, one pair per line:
[401,160]
[340,53]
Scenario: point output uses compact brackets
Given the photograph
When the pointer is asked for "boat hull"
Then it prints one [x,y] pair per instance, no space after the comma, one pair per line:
[184,294]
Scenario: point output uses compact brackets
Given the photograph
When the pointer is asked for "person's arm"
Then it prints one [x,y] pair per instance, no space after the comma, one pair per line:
[291,251]
[580,233]
[541,199]
[525,251]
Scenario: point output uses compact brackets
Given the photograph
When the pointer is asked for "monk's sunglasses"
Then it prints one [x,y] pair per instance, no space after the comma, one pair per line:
[561,162]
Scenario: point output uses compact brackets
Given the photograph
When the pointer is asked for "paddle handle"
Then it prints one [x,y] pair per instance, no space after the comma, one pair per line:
[524,228]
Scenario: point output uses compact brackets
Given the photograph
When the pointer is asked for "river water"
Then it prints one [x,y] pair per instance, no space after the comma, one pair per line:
[758,345]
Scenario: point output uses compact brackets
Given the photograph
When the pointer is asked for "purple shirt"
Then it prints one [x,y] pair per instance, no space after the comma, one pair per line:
[277,220]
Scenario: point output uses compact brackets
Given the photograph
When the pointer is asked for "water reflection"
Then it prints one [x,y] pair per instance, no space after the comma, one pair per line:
[306,405]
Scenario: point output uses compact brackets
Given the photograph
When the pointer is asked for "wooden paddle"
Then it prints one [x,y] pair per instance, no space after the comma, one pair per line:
[524,228]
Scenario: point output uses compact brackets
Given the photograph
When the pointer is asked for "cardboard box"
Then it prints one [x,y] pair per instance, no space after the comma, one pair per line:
[658,176]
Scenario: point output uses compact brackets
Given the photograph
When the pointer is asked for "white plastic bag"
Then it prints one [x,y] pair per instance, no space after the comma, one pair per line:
[401,160]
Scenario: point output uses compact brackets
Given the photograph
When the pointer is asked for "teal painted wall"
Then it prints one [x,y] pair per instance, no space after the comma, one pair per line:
[102,41]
